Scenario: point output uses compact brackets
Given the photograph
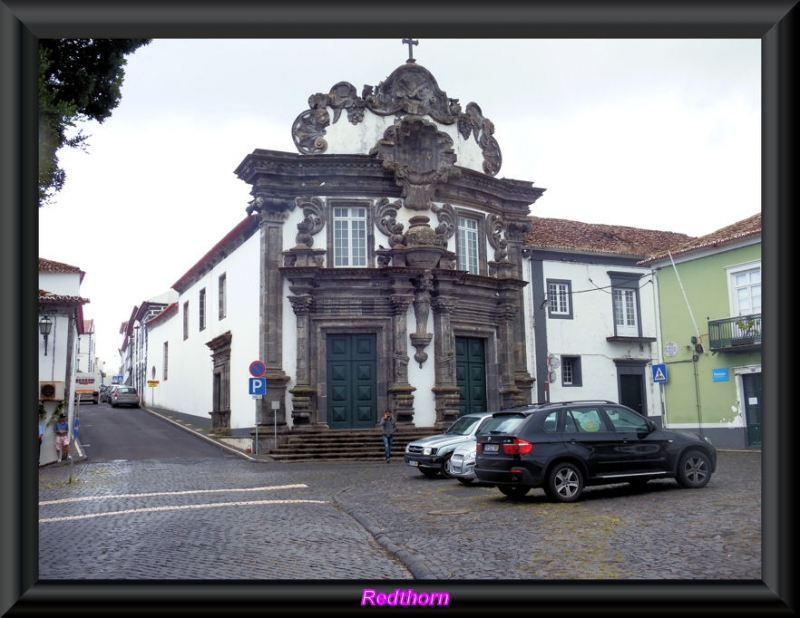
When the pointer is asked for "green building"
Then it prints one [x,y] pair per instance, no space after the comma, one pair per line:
[708,299]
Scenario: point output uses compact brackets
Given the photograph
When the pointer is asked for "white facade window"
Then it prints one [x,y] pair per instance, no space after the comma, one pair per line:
[349,236]
[223,300]
[166,360]
[571,371]
[625,318]
[201,315]
[559,299]
[186,320]
[468,245]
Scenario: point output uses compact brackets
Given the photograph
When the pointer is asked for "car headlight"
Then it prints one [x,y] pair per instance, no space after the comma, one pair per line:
[470,457]
[428,450]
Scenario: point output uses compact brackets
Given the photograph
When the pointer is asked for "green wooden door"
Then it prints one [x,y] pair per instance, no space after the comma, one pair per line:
[470,375]
[351,366]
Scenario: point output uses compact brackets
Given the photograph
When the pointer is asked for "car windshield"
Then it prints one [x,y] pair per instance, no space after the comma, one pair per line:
[463,426]
[503,423]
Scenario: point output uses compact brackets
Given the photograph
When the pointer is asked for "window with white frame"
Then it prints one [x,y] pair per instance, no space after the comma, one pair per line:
[571,371]
[559,299]
[201,310]
[166,360]
[625,296]
[467,245]
[186,320]
[223,291]
[349,236]
[746,291]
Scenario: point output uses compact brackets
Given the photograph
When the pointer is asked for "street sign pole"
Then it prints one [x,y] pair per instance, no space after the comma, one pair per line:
[258,370]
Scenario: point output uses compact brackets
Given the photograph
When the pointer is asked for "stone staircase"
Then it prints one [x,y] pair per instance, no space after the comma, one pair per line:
[349,444]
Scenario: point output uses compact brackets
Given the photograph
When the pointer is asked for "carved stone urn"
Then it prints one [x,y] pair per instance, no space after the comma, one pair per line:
[423,245]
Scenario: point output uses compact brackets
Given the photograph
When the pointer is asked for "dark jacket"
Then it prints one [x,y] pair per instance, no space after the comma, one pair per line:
[388,425]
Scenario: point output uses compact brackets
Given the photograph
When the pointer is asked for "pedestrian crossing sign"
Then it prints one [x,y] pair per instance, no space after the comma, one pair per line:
[660,373]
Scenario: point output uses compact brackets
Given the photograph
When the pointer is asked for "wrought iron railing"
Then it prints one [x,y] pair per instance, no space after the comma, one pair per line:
[735,334]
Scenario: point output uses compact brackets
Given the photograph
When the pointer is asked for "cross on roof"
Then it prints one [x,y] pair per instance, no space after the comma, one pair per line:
[410,43]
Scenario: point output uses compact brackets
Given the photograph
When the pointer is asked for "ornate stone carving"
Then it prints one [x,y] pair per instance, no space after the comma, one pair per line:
[314,215]
[386,218]
[419,155]
[447,220]
[495,233]
[409,90]
[472,122]
[422,306]
[413,90]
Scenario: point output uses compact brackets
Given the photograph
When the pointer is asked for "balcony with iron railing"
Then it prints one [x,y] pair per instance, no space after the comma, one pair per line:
[738,334]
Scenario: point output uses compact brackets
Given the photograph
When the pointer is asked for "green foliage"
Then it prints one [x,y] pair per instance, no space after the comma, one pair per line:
[54,416]
[79,80]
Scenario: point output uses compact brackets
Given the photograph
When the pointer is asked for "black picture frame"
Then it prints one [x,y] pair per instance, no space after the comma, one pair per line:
[23,22]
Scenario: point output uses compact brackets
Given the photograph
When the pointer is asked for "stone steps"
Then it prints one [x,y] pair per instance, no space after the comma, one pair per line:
[354,445]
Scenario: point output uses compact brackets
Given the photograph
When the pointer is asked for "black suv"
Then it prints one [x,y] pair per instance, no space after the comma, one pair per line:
[566,446]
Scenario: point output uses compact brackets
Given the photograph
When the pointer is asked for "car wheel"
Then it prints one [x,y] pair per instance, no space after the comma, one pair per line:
[564,483]
[694,470]
[465,481]
[515,492]
[430,473]
[446,469]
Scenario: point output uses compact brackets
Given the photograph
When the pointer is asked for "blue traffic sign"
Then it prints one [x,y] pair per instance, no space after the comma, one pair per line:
[660,373]
[258,386]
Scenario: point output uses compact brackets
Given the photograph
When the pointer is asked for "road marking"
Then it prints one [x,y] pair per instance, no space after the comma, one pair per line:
[180,508]
[172,493]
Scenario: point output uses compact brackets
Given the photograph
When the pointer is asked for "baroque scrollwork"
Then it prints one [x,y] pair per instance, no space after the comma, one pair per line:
[446,215]
[472,122]
[411,90]
[314,215]
[386,217]
[496,235]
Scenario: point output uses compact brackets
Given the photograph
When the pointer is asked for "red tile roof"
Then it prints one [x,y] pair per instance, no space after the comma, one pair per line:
[745,228]
[566,235]
[51,266]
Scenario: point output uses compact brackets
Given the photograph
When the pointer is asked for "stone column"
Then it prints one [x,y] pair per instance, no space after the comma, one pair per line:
[304,408]
[400,391]
[445,389]
[273,216]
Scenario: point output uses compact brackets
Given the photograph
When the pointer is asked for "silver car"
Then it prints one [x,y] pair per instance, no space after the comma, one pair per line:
[461,464]
[124,396]
[430,454]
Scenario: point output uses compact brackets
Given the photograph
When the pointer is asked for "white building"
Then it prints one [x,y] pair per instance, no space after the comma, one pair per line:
[61,318]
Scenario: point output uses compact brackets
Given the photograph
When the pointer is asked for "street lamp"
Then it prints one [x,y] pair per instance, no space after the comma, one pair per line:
[45,326]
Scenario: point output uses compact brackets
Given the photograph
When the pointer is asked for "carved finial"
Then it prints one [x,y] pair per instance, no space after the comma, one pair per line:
[410,43]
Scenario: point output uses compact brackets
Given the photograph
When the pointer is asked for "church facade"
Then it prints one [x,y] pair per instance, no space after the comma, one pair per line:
[380,266]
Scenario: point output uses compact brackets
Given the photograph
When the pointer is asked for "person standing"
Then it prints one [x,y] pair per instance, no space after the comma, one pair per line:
[61,429]
[388,427]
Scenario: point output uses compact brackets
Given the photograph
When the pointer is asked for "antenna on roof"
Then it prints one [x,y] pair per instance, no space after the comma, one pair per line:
[410,43]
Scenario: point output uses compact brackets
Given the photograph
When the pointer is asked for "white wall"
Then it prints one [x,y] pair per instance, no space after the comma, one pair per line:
[585,334]
[188,387]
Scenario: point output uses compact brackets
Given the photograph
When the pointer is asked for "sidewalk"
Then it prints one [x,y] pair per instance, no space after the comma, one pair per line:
[238,443]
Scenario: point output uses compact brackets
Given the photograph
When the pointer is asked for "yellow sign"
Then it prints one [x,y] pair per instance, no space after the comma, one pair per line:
[84,390]
[152,383]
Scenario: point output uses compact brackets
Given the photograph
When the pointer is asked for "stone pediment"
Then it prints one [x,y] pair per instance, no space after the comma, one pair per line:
[410,90]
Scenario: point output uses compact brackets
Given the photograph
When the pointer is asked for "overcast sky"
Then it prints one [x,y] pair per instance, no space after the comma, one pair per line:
[649,133]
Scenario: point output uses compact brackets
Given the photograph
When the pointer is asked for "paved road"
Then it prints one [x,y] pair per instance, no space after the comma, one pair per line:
[222,517]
